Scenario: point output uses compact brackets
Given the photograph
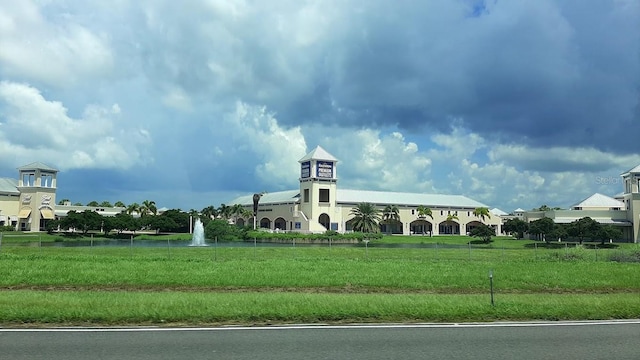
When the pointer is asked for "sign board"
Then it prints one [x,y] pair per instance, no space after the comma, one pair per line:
[305,169]
[324,169]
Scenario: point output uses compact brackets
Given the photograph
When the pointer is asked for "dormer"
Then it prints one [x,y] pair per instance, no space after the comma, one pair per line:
[631,180]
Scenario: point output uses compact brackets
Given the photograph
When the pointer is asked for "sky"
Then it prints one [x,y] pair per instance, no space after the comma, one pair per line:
[191,103]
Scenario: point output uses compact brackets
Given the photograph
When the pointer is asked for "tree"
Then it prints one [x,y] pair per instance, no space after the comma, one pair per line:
[609,232]
[541,227]
[238,211]
[516,226]
[484,232]
[482,212]
[222,230]
[390,215]
[161,223]
[124,222]
[105,204]
[224,211]
[365,218]
[584,228]
[180,217]
[424,211]
[83,221]
[559,232]
[93,203]
[119,204]
[63,201]
[452,217]
[209,212]
[148,207]
[133,208]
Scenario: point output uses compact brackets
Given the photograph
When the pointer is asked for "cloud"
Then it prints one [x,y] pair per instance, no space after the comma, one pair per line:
[36,128]
[561,159]
[275,148]
[58,54]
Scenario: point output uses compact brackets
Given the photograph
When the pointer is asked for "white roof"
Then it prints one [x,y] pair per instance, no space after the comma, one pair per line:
[279,197]
[566,220]
[632,170]
[498,212]
[9,185]
[599,200]
[318,154]
[346,196]
[410,199]
[518,210]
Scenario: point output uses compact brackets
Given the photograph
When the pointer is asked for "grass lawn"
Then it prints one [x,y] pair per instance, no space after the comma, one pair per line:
[222,284]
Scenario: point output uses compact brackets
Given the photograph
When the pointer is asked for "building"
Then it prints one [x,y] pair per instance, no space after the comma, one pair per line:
[27,203]
[319,205]
[622,211]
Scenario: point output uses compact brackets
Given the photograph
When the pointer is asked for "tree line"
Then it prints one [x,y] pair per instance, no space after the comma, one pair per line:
[546,229]
[144,216]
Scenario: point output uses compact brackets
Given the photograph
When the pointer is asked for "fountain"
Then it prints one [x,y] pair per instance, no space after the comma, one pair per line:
[198,234]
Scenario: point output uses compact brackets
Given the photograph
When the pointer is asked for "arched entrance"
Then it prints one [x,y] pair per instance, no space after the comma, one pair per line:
[449,227]
[280,224]
[391,227]
[325,221]
[265,223]
[240,222]
[471,225]
[421,227]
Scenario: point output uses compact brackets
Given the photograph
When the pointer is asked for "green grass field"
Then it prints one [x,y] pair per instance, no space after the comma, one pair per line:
[115,285]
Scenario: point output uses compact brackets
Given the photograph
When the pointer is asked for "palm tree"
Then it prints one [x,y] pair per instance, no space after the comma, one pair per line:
[452,217]
[238,211]
[482,212]
[365,218]
[210,212]
[133,208]
[224,211]
[148,207]
[424,211]
[390,215]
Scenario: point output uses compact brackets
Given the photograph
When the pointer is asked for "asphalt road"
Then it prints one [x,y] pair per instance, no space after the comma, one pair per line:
[581,340]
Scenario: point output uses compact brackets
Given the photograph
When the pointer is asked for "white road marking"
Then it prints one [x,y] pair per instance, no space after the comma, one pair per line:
[327,326]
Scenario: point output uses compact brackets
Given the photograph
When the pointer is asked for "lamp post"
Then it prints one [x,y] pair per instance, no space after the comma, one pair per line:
[256,200]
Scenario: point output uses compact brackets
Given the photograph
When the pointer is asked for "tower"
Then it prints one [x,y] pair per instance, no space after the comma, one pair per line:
[37,186]
[318,187]
[631,198]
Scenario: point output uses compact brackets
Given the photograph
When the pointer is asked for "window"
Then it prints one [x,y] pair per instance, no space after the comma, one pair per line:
[306,195]
[298,225]
[324,195]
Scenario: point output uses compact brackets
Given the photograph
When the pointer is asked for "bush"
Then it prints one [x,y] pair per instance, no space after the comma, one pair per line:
[633,256]
[7,228]
[222,230]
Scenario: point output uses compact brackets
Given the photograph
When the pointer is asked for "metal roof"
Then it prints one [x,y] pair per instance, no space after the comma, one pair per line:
[318,154]
[621,222]
[632,171]
[37,166]
[345,196]
[498,212]
[279,197]
[406,199]
[9,185]
[599,200]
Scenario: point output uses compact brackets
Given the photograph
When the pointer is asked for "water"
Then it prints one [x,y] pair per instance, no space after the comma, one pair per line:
[198,234]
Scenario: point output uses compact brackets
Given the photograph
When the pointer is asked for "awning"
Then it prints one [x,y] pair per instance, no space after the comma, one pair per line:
[24,213]
[47,214]
[3,218]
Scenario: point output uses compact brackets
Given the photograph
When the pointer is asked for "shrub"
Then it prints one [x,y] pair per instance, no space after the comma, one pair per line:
[633,256]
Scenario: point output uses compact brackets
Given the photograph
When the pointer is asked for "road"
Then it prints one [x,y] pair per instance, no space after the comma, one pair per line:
[574,340]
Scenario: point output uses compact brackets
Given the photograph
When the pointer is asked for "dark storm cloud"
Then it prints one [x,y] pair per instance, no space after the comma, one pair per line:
[546,73]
